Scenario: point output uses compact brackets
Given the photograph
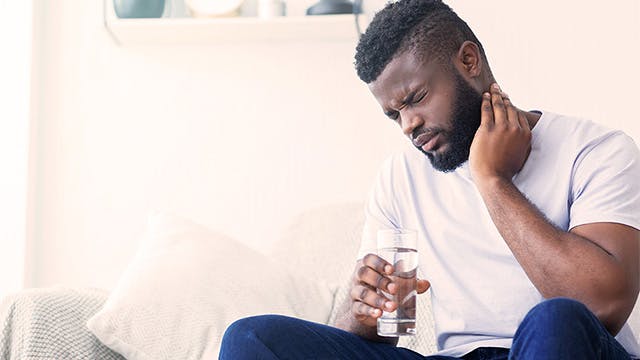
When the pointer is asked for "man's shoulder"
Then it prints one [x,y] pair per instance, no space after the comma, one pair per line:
[569,125]
[575,134]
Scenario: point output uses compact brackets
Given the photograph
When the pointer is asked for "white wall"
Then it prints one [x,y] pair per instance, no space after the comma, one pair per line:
[240,137]
[15,72]
[574,57]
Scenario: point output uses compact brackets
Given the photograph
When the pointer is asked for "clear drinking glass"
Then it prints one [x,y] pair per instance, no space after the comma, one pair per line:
[399,248]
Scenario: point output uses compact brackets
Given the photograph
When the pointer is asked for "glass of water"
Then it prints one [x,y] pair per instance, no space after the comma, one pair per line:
[399,248]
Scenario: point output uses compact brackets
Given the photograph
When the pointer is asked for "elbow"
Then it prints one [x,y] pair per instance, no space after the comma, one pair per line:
[612,319]
[614,311]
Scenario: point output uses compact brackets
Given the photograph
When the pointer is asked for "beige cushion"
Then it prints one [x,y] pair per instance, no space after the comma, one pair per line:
[188,284]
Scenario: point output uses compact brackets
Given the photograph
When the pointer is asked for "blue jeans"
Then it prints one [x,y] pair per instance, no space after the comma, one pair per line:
[554,329]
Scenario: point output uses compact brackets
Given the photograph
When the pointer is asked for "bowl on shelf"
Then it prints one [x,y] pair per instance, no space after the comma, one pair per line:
[128,9]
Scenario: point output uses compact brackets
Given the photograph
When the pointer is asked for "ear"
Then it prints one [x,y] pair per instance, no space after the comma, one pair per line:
[469,60]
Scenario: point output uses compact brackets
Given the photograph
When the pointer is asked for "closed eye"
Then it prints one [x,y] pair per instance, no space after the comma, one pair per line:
[419,98]
[393,115]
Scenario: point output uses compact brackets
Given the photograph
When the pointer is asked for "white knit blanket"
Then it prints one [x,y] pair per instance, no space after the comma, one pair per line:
[50,323]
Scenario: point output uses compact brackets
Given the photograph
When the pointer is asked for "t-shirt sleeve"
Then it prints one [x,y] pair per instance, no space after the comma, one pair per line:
[606,182]
[379,210]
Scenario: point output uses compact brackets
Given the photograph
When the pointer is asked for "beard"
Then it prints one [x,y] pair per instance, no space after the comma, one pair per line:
[464,121]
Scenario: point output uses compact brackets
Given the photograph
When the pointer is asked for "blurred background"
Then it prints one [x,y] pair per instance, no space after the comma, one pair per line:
[238,124]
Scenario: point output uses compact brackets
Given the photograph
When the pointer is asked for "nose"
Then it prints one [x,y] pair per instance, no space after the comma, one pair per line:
[409,122]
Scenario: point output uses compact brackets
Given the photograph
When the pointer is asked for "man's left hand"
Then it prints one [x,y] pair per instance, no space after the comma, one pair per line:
[503,141]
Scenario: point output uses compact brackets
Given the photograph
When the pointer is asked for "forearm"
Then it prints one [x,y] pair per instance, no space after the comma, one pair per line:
[558,263]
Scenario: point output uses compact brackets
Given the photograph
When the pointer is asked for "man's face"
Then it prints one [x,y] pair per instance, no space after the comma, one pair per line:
[437,109]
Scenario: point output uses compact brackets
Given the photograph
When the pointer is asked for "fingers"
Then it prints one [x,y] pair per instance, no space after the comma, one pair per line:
[368,276]
[367,302]
[372,290]
[512,113]
[374,272]
[499,111]
[515,116]
[503,111]
[364,313]
[378,264]
[522,120]
[486,111]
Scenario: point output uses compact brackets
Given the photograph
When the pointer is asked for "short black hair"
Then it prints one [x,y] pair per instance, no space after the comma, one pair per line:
[429,28]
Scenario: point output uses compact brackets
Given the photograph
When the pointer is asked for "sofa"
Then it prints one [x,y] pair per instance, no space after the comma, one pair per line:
[187,283]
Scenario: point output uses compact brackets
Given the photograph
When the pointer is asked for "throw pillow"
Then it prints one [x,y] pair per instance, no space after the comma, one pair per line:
[187,284]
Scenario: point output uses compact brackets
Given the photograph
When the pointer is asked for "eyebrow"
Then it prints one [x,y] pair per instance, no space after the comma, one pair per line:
[408,99]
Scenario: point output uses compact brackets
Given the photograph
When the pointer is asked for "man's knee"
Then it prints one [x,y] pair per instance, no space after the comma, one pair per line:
[559,318]
[250,337]
[559,311]
[562,304]
[250,328]
[238,328]
[558,328]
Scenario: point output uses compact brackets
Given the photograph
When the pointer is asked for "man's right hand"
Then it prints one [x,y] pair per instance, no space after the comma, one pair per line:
[371,274]
[359,313]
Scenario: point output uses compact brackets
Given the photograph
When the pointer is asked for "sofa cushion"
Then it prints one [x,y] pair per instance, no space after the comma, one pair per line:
[187,284]
[322,242]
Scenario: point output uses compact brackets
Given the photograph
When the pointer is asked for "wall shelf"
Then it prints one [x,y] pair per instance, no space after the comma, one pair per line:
[194,31]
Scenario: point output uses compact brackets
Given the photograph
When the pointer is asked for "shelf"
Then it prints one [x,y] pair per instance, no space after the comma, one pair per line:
[193,31]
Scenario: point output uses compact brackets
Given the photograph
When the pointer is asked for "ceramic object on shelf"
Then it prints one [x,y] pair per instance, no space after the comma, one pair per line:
[268,9]
[138,8]
[332,7]
[176,9]
[213,8]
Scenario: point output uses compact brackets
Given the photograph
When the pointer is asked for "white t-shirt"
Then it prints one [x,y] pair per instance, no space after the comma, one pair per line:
[578,172]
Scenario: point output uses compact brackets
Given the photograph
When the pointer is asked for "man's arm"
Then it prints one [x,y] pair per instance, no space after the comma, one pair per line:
[597,264]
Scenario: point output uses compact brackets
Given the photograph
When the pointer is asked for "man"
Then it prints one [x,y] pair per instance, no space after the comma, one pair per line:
[527,221]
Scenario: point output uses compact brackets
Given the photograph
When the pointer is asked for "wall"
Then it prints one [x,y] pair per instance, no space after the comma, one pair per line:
[572,57]
[15,72]
[242,136]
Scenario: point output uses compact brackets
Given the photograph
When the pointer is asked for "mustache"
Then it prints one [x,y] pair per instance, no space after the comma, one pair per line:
[425,130]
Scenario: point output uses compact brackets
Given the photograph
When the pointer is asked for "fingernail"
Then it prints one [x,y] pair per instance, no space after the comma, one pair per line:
[388,305]
[496,86]
[388,269]
[391,287]
[374,312]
